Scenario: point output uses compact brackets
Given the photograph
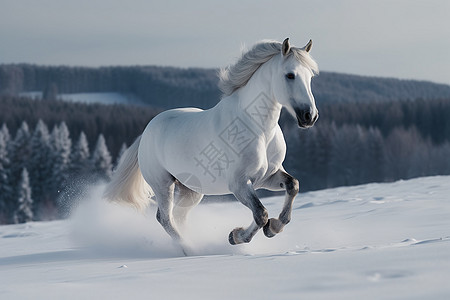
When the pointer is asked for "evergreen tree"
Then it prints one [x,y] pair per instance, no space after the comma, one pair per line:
[53,137]
[360,172]
[62,146]
[6,135]
[5,188]
[41,165]
[23,212]
[79,160]
[101,159]
[19,153]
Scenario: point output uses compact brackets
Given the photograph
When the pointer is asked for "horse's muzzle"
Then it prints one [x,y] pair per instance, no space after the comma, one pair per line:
[306,117]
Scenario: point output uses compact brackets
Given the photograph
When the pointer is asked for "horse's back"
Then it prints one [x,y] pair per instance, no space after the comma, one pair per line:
[162,128]
[177,114]
[169,141]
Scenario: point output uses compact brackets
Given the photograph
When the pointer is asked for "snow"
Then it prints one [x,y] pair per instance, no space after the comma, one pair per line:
[104,98]
[375,241]
[90,98]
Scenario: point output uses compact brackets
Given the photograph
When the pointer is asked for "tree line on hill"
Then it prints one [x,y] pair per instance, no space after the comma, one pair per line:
[118,123]
[162,87]
[330,155]
[355,143]
[429,117]
[168,87]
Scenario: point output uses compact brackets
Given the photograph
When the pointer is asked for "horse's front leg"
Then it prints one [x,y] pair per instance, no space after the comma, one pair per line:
[246,195]
[279,181]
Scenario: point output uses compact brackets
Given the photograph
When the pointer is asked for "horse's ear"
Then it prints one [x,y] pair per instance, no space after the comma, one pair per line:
[308,46]
[286,47]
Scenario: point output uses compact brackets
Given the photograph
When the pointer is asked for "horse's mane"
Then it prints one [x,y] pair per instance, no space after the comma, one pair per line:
[236,76]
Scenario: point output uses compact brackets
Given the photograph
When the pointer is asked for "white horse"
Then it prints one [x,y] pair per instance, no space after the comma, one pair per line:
[235,147]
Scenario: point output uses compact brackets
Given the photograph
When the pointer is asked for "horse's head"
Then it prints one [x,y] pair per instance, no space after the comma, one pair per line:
[292,83]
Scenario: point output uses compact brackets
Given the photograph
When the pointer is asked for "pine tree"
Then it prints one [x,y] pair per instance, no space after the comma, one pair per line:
[360,153]
[101,159]
[41,165]
[23,212]
[5,188]
[19,153]
[62,147]
[6,135]
[79,160]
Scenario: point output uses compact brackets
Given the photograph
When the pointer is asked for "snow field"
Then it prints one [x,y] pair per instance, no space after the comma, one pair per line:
[375,241]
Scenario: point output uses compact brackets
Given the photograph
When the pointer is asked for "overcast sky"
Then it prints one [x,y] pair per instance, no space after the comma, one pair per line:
[405,39]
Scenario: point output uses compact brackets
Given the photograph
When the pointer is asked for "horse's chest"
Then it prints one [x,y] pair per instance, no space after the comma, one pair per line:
[269,160]
[276,149]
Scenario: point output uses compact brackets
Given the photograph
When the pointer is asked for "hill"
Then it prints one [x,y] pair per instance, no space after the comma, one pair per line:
[168,87]
[376,241]
[336,87]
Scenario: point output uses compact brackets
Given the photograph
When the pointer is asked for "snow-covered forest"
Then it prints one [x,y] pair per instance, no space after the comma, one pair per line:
[37,164]
[355,143]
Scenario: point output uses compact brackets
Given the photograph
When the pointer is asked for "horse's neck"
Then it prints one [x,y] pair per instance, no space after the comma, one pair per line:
[257,102]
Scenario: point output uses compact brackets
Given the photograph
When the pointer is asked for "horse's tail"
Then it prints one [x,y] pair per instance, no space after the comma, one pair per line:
[127,183]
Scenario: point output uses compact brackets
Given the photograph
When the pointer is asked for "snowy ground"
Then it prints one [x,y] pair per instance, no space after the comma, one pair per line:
[376,241]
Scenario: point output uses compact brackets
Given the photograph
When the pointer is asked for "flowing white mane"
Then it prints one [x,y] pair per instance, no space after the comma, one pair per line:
[236,76]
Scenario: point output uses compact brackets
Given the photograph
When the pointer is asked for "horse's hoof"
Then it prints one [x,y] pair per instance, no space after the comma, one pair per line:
[237,236]
[231,238]
[267,231]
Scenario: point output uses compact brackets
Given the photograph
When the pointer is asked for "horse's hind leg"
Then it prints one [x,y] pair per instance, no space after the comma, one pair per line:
[279,181]
[164,193]
[185,200]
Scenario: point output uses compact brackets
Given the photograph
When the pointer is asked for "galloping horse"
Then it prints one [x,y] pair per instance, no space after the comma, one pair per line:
[235,147]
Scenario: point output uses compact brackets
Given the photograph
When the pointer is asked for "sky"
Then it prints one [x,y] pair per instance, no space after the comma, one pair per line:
[403,39]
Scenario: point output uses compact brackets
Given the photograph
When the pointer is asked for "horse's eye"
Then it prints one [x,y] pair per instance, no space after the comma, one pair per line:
[290,76]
